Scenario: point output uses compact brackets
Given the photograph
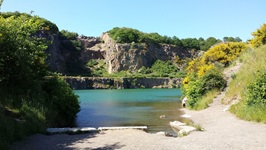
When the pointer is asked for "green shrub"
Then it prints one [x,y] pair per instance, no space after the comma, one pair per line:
[212,79]
[31,99]
[197,87]
[62,103]
[92,63]
[69,35]
[256,91]
[129,35]
[194,93]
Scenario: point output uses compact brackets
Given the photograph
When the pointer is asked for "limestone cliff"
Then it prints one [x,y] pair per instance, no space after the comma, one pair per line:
[63,57]
[129,56]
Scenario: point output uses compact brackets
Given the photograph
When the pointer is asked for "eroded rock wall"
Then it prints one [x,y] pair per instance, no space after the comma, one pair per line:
[64,58]
[132,56]
[79,83]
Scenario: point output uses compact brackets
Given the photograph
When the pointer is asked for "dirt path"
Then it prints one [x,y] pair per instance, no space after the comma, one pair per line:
[223,131]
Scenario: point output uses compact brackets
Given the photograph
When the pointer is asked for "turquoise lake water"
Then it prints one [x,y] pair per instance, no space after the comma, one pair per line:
[129,107]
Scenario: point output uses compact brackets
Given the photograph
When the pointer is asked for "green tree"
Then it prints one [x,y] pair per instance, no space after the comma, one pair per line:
[237,39]
[231,39]
[22,57]
[69,35]
[209,43]
[177,41]
[191,43]
[23,69]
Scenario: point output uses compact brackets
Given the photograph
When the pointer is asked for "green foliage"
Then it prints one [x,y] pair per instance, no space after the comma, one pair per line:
[203,73]
[69,35]
[231,39]
[191,43]
[212,79]
[92,63]
[205,45]
[97,67]
[34,23]
[194,93]
[197,126]
[249,79]
[198,86]
[62,104]
[28,120]
[129,35]
[158,69]
[22,57]
[125,35]
[255,112]
[164,69]
[39,101]
[256,91]
[72,37]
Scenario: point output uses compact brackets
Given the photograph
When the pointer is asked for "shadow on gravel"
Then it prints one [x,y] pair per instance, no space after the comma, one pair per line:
[61,141]
[110,147]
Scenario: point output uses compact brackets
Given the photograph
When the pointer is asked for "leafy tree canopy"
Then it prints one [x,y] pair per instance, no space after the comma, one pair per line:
[23,71]
[129,35]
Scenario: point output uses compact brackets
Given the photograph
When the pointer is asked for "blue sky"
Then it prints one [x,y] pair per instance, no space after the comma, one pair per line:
[181,18]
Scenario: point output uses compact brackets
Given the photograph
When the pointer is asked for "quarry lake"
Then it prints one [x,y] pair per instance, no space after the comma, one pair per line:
[129,107]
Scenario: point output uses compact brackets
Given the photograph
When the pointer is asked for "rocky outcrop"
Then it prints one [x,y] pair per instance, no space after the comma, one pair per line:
[62,55]
[92,48]
[132,56]
[122,83]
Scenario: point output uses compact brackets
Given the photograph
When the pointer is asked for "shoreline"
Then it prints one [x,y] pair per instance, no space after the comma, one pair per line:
[222,131]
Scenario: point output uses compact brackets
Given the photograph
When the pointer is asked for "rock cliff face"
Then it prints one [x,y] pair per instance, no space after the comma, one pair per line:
[123,83]
[132,56]
[66,59]
[62,55]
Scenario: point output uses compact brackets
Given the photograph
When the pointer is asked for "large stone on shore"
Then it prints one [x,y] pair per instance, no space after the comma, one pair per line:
[181,128]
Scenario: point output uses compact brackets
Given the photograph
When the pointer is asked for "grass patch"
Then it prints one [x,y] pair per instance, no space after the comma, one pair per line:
[16,124]
[255,112]
[204,101]
[197,126]
[182,134]
[253,62]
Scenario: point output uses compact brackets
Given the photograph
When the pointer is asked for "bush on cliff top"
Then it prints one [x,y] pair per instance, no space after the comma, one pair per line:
[129,35]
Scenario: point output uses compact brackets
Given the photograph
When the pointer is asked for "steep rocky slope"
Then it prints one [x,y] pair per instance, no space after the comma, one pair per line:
[63,57]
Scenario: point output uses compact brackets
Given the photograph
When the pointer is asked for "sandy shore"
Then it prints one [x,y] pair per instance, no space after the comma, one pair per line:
[222,131]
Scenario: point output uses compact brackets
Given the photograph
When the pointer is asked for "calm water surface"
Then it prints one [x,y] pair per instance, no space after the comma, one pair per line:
[129,107]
